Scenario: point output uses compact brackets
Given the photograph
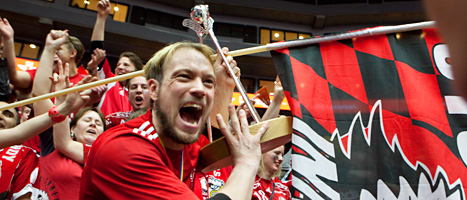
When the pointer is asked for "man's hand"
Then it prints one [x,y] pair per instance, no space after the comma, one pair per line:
[244,147]
[61,80]
[6,31]
[225,85]
[103,8]
[6,34]
[222,75]
[97,57]
[76,100]
[278,90]
[95,95]
[55,38]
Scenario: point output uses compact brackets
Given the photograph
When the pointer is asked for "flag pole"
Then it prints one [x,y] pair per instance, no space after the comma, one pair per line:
[343,36]
[269,47]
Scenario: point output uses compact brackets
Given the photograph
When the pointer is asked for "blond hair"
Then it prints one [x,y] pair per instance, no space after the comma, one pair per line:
[154,68]
[73,43]
[262,167]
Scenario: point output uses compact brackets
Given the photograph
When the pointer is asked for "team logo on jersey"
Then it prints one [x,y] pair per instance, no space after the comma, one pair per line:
[215,185]
[40,195]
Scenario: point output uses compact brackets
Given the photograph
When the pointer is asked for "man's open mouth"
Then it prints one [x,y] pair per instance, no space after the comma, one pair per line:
[191,113]
[139,100]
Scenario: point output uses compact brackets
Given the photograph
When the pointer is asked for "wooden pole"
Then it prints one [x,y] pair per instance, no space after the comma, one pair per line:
[361,33]
[72,89]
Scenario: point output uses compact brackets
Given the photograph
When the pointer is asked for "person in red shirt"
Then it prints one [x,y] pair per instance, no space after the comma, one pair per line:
[115,99]
[18,171]
[138,96]
[19,166]
[61,169]
[267,185]
[70,51]
[154,155]
[14,133]
[34,143]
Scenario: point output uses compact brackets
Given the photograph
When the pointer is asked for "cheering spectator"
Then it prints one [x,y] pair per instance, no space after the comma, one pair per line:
[141,163]
[267,185]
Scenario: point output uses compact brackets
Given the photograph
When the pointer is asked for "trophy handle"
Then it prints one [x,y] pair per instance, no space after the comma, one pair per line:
[216,155]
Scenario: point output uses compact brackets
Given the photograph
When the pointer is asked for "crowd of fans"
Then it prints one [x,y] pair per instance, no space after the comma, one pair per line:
[133,139]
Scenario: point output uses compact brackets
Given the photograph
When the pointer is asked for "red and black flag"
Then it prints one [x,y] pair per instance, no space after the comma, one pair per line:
[375,118]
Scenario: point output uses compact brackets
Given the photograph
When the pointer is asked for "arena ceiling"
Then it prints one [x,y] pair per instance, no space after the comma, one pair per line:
[33,19]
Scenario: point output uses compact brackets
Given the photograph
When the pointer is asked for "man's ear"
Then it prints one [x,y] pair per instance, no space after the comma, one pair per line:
[73,55]
[153,85]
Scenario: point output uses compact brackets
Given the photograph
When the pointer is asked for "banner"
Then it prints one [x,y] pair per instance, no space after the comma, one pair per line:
[237,100]
[23,64]
[375,118]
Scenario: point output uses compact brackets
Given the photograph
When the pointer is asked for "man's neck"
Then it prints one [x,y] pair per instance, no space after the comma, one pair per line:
[123,83]
[168,143]
[73,70]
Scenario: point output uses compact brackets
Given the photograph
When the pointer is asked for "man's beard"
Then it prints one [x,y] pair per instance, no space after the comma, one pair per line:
[166,126]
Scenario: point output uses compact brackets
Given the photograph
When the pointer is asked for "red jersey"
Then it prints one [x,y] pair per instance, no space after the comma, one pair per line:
[34,143]
[263,189]
[18,172]
[128,161]
[208,184]
[115,99]
[105,72]
[60,176]
[117,118]
[73,79]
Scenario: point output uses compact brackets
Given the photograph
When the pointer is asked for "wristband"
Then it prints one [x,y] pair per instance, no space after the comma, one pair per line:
[55,116]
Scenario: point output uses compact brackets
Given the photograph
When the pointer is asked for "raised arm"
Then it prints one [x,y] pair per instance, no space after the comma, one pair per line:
[275,106]
[246,154]
[29,128]
[19,79]
[224,88]
[38,124]
[97,57]
[61,131]
[42,84]
[103,10]
[98,61]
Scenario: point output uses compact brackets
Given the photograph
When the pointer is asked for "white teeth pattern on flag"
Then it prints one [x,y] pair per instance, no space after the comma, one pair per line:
[321,165]
[424,191]
[322,152]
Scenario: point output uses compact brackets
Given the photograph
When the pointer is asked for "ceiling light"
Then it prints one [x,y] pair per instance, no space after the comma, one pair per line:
[116,9]
[276,35]
[398,35]
[300,37]
[33,46]
[86,2]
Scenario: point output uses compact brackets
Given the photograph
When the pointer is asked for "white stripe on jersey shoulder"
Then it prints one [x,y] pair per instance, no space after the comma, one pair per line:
[146,130]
